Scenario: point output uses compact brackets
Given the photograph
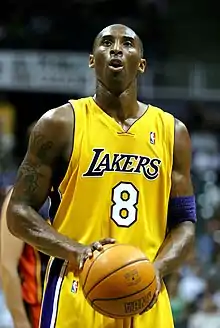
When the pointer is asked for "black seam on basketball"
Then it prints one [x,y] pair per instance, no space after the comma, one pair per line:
[123,266]
[121,297]
[148,303]
[102,252]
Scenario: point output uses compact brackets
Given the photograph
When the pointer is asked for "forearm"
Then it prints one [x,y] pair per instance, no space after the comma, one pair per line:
[13,297]
[26,224]
[175,249]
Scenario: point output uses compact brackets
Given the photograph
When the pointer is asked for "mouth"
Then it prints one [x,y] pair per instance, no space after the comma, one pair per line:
[116,65]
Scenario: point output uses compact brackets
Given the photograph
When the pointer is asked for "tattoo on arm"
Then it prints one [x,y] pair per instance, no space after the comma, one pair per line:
[40,146]
[27,180]
[33,172]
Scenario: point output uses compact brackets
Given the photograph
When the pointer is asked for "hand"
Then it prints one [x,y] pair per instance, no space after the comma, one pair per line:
[85,252]
[155,297]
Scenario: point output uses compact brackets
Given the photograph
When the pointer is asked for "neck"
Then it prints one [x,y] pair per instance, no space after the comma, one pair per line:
[120,107]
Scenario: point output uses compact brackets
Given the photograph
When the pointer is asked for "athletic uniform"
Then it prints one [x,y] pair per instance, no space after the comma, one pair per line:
[117,185]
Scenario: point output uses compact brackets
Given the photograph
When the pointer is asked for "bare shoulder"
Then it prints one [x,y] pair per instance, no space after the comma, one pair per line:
[49,141]
[182,155]
[182,147]
[182,138]
[180,127]
[53,130]
[57,118]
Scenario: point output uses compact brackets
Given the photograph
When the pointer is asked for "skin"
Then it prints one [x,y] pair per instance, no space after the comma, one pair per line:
[11,250]
[116,94]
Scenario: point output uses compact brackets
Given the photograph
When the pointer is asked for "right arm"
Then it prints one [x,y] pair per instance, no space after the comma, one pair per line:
[51,139]
[48,141]
[11,250]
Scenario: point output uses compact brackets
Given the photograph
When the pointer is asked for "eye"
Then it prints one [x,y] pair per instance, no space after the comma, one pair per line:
[128,43]
[106,42]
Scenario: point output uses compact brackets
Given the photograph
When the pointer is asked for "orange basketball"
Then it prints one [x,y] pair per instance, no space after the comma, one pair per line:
[119,281]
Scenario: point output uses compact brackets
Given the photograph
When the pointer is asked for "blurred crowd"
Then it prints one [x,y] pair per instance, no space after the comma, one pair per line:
[34,26]
[194,290]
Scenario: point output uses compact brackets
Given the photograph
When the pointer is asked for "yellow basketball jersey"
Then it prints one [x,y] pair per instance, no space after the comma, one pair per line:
[117,185]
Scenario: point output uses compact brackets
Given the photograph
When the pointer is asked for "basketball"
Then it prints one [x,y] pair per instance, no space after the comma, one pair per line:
[119,281]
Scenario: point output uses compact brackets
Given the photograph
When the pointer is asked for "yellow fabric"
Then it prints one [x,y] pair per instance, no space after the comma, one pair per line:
[117,185]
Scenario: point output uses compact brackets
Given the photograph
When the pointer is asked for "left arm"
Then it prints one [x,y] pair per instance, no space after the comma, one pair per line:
[180,239]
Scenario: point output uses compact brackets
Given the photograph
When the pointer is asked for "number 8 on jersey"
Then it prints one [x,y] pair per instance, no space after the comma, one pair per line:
[124,204]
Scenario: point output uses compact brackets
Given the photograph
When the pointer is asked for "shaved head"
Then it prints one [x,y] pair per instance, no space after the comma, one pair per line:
[120,28]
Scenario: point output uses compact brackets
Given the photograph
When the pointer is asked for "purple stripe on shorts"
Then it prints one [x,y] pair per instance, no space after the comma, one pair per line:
[51,294]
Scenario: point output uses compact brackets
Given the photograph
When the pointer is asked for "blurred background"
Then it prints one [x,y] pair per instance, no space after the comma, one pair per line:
[44,62]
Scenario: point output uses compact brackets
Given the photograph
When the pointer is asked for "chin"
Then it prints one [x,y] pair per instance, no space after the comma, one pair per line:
[115,77]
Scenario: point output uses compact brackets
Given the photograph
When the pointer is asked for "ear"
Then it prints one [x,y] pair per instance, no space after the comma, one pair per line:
[142,66]
[91,61]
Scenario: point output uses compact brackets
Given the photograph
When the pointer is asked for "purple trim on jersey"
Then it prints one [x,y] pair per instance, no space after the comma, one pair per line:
[181,209]
[44,210]
[52,293]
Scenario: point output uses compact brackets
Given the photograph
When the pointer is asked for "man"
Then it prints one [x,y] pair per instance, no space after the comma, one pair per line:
[25,267]
[22,273]
[111,165]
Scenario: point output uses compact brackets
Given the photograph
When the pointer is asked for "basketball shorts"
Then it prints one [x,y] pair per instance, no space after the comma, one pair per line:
[64,305]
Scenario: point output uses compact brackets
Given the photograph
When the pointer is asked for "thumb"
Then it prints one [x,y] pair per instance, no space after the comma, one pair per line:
[81,263]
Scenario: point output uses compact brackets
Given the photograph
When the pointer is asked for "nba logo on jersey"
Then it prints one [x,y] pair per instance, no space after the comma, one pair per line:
[152,138]
[74,286]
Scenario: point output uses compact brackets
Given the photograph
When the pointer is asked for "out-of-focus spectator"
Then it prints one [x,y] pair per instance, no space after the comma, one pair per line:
[178,305]
[7,127]
[192,284]
[207,315]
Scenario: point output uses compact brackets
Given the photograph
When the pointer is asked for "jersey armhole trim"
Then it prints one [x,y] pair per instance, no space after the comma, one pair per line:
[174,128]
[73,132]
[72,149]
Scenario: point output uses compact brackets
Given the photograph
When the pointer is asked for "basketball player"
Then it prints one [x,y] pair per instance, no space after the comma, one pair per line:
[22,273]
[112,166]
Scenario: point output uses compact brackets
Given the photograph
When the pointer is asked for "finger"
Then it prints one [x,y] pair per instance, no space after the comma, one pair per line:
[88,253]
[81,263]
[97,246]
[107,241]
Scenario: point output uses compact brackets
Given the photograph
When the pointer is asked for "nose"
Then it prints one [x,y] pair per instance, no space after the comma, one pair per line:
[116,49]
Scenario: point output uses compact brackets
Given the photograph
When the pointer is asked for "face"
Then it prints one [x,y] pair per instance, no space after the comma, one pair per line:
[117,57]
